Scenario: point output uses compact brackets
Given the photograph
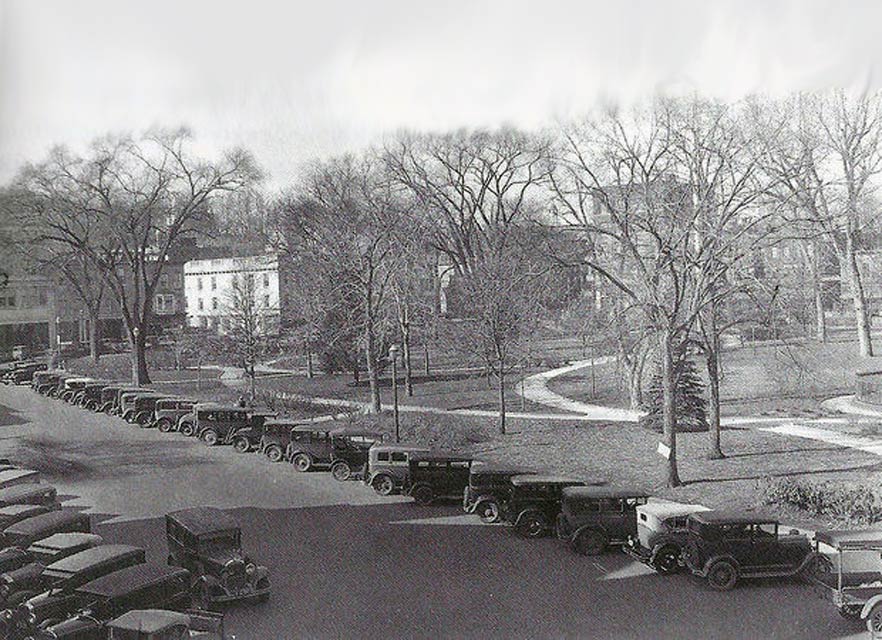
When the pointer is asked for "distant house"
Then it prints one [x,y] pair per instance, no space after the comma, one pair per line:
[209,287]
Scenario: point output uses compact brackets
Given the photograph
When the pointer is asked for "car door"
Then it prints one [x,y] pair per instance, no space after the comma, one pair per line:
[736,540]
[767,553]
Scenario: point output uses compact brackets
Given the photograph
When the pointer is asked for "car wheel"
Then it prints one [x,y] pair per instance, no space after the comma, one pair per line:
[589,543]
[187,428]
[341,471]
[302,462]
[241,445]
[91,405]
[489,512]
[722,575]
[275,454]
[107,409]
[210,437]
[164,425]
[874,620]
[383,485]
[143,419]
[128,415]
[667,560]
[531,525]
[423,495]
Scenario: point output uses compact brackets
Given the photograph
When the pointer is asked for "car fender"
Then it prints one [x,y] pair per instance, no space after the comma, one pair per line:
[261,573]
[208,580]
[416,486]
[481,500]
[665,541]
[727,557]
[526,512]
[593,526]
[379,474]
[868,607]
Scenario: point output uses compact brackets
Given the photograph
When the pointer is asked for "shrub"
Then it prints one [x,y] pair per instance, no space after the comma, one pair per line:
[855,504]
[689,402]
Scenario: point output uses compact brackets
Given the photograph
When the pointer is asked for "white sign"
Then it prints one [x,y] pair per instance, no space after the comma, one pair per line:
[664,451]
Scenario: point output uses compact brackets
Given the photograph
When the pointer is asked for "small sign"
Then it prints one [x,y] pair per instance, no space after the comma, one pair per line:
[664,451]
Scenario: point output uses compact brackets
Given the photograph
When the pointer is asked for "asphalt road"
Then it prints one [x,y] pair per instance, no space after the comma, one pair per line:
[346,563]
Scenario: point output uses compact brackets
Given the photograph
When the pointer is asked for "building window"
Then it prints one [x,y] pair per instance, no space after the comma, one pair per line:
[199,284]
[266,280]
[2,302]
[213,283]
[10,301]
[266,302]
[214,303]
[200,304]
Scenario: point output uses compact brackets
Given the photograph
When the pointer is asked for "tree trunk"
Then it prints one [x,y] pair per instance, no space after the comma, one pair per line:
[426,357]
[309,372]
[373,374]
[817,294]
[712,350]
[94,352]
[405,340]
[858,297]
[140,376]
[252,374]
[669,411]
[501,400]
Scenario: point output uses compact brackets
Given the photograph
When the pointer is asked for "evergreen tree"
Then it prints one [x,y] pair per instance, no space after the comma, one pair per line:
[690,404]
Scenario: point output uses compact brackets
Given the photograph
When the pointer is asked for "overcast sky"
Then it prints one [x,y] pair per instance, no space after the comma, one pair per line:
[292,80]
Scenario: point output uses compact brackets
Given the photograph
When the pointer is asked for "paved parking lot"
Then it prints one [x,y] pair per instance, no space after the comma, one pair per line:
[346,563]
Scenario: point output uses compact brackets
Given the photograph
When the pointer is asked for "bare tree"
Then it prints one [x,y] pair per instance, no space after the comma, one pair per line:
[250,328]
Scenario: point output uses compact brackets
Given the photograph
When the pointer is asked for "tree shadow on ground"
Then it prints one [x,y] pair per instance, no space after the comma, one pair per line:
[10,417]
[873,466]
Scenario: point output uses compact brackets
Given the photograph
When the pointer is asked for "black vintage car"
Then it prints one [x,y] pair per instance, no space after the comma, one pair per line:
[46,382]
[213,423]
[55,599]
[534,501]
[168,411]
[350,451]
[489,486]
[28,494]
[42,554]
[436,476]
[71,387]
[18,512]
[23,372]
[127,407]
[592,518]
[89,397]
[111,398]
[725,547]
[142,409]
[247,438]
[208,543]
[41,525]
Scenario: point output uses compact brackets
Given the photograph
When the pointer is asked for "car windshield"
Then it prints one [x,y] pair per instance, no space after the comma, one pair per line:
[218,545]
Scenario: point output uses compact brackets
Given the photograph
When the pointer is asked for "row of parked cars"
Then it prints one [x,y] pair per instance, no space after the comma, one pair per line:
[723,548]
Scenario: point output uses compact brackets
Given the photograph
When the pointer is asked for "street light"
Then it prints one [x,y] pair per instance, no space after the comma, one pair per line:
[58,341]
[393,357]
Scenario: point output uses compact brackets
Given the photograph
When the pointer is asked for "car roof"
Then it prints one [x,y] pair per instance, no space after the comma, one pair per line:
[65,541]
[217,406]
[20,490]
[88,557]
[401,446]
[343,432]
[10,474]
[309,428]
[850,539]
[125,579]
[599,492]
[200,520]
[440,456]
[732,517]
[31,525]
[525,479]
[149,620]
[16,509]
[498,467]
[665,509]
[284,422]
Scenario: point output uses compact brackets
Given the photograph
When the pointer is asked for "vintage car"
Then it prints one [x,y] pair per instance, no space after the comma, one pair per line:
[489,485]
[25,532]
[661,535]
[534,501]
[12,477]
[388,466]
[58,388]
[126,407]
[138,624]
[89,397]
[311,445]
[46,381]
[245,439]
[23,372]
[212,422]
[54,599]
[168,411]
[208,543]
[42,554]
[71,387]
[18,512]
[28,494]
[350,451]
[725,547]
[141,409]
[849,573]
[113,406]
[436,476]
[276,437]
[592,518]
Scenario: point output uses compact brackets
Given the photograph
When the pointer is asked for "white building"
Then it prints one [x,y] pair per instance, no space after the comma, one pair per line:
[209,289]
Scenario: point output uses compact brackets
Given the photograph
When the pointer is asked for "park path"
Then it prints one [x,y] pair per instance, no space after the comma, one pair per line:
[862,443]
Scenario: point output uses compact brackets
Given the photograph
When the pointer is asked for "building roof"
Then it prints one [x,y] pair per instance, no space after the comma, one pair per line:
[201,520]
[149,621]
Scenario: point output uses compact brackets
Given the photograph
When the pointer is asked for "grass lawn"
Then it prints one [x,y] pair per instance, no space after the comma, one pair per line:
[765,379]
[444,391]
[118,366]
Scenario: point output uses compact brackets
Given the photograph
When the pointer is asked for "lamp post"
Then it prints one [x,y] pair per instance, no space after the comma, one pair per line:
[58,341]
[393,357]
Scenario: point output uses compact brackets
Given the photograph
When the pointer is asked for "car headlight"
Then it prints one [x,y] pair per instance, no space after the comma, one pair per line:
[250,569]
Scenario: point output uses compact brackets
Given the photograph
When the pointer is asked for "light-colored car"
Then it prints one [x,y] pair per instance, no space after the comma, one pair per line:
[661,534]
